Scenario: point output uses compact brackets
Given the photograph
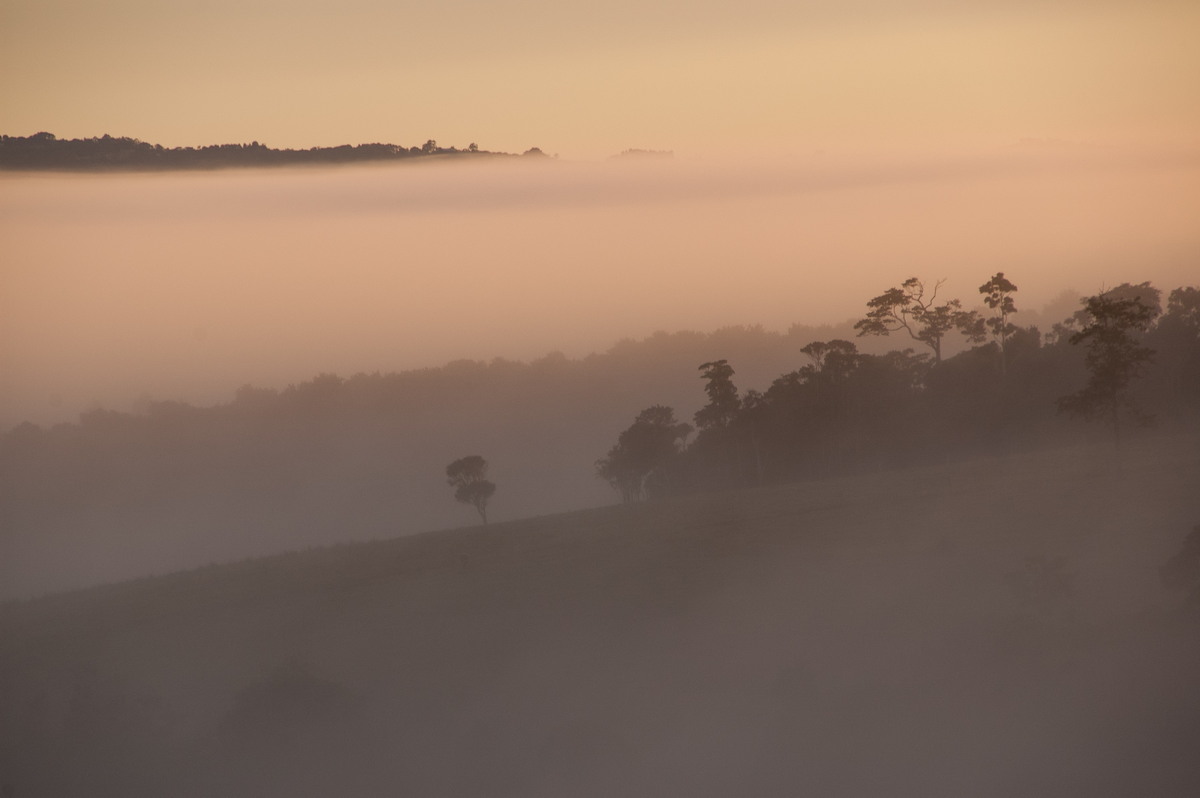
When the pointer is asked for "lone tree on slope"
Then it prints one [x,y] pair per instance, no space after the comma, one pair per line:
[468,477]
[644,453]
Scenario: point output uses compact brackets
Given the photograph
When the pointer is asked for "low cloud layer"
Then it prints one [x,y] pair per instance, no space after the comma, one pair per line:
[185,286]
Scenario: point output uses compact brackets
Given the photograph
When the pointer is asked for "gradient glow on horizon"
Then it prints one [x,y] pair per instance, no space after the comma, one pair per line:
[589,80]
[186,286]
[825,150]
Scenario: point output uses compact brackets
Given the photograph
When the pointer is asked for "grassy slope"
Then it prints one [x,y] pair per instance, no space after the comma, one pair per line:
[881,635]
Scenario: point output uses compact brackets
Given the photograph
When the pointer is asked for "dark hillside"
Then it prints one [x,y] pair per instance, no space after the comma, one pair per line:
[335,459]
[994,628]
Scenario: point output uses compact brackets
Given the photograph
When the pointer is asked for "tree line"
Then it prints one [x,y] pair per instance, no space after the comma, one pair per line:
[46,151]
[1119,355]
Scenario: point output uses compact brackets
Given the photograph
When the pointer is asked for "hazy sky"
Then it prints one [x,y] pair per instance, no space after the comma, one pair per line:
[590,79]
[1055,140]
[189,285]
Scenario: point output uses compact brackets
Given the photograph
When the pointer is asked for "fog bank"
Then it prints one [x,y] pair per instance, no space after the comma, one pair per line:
[120,287]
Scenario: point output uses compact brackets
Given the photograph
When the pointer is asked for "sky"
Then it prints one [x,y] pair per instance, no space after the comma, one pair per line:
[586,80]
[122,288]
[824,151]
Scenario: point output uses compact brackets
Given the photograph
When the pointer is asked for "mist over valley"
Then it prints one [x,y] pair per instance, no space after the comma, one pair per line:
[769,478]
[990,628]
[529,399]
[121,288]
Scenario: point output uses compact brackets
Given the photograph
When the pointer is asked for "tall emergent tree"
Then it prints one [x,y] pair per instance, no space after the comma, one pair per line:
[1115,357]
[468,477]
[723,425]
[644,452]
[723,401]
[997,294]
[909,309]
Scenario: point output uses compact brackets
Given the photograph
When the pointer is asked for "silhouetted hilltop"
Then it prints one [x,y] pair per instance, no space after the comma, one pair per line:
[335,459]
[43,151]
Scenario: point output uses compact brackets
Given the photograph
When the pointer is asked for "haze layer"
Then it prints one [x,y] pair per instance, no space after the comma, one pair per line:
[186,286]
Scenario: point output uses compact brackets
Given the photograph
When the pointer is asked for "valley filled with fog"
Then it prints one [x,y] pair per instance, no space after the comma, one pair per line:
[529,399]
[739,533]
[123,288]
[267,360]
[989,628]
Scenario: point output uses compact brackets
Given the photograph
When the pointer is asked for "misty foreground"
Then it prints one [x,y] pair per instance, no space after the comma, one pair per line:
[994,628]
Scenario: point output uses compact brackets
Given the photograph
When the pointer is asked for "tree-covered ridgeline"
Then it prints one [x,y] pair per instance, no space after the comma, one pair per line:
[1120,360]
[44,151]
[342,458]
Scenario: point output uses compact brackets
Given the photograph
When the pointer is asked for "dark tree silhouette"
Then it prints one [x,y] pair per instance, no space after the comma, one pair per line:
[1145,293]
[1176,341]
[997,294]
[723,402]
[832,361]
[726,425]
[644,452]
[1115,358]
[468,477]
[1183,305]
[909,309]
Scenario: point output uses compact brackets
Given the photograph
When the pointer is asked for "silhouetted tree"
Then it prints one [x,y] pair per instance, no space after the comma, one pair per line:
[1114,359]
[723,402]
[1183,306]
[832,361]
[997,294]
[1176,341]
[644,452]
[908,308]
[753,418]
[1143,292]
[468,477]
[724,430]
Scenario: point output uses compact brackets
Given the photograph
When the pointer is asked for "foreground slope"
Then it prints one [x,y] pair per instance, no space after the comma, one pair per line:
[990,628]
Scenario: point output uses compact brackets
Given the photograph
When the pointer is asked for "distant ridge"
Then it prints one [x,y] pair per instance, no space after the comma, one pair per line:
[44,151]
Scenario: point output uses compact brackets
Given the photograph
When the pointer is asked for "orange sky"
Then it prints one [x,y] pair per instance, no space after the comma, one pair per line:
[1056,140]
[186,286]
[589,80]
